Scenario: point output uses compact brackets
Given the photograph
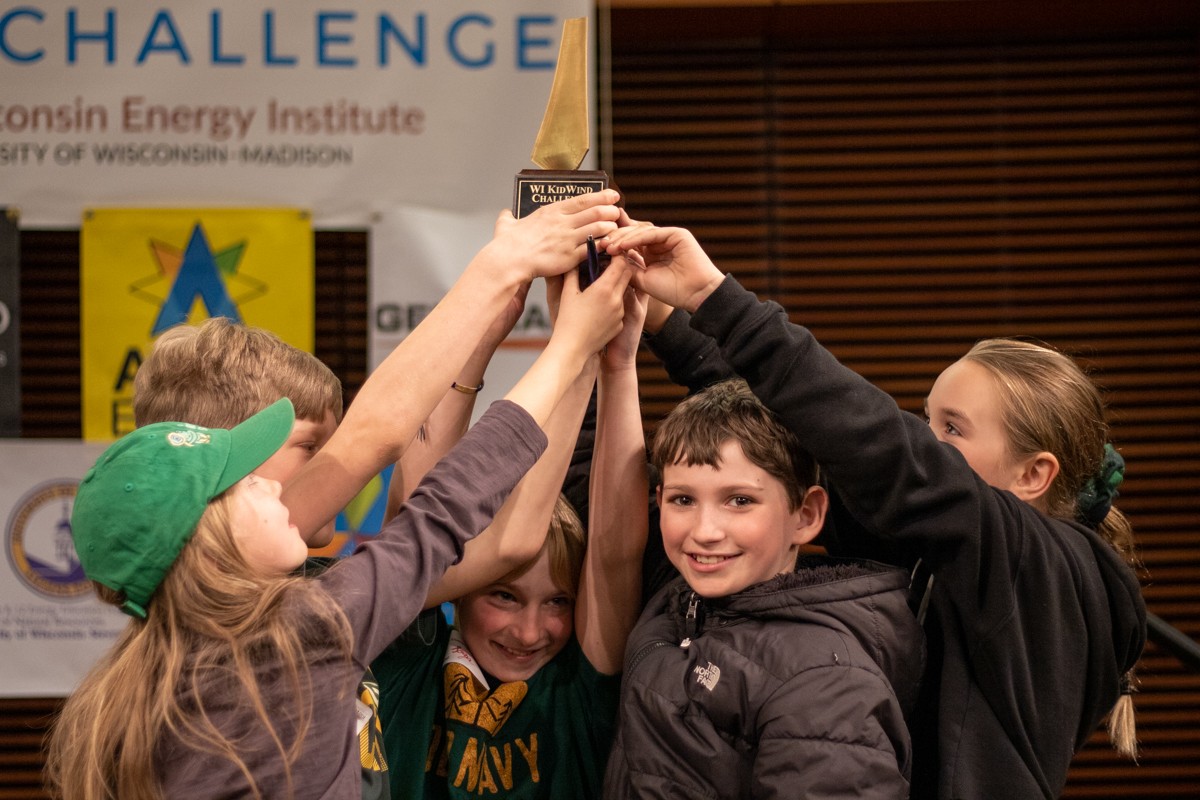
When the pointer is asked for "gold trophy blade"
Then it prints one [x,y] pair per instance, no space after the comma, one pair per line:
[563,140]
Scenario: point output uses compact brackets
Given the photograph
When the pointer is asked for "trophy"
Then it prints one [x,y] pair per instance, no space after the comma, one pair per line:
[562,142]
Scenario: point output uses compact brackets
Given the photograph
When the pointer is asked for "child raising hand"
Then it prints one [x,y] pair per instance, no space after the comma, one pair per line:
[233,678]
[1004,495]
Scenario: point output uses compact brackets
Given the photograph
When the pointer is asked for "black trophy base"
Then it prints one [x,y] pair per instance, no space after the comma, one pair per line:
[534,188]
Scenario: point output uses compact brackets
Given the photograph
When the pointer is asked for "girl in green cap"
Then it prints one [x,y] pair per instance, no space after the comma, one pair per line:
[233,679]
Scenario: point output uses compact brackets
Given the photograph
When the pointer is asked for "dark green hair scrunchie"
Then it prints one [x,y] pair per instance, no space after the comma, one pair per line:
[1097,495]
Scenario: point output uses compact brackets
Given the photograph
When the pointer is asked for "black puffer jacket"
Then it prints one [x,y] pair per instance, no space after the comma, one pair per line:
[1032,620]
[784,690]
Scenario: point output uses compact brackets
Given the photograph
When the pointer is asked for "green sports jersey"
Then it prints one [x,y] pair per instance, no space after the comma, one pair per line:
[547,737]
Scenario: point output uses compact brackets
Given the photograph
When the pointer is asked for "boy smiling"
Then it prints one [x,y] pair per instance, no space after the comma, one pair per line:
[760,672]
[731,526]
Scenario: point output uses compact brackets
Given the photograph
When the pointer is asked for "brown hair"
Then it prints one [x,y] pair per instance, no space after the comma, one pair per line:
[565,543]
[213,617]
[221,372]
[695,430]
[1048,403]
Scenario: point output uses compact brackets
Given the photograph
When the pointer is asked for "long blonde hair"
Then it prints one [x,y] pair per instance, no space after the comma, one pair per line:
[1049,404]
[213,618]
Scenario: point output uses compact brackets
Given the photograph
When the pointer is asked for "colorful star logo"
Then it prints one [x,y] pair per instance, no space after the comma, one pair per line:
[196,272]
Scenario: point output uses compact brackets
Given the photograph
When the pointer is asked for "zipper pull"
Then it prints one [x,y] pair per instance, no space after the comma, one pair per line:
[693,602]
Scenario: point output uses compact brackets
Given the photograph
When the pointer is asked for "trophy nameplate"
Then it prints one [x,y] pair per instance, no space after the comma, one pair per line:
[534,188]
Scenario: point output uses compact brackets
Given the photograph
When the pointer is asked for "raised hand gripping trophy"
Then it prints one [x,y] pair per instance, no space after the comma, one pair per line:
[563,141]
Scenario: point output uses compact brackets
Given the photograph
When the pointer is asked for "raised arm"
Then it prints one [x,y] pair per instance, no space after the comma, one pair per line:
[610,586]
[587,321]
[517,533]
[402,392]
[519,529]
[452,416]
[690,358]
[480,465]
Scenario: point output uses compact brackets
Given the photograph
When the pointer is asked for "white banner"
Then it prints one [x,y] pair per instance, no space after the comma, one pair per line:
[349,110]
[416,255]
[419,250]
[52,627]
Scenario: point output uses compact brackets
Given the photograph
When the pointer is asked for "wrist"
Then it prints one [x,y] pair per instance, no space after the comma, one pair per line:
[656,317]
[703,293]
[493,265]
[472,371]
[611,366]
[571,353]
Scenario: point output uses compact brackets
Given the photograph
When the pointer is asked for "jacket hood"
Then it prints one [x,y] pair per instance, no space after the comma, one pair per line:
[1126,604]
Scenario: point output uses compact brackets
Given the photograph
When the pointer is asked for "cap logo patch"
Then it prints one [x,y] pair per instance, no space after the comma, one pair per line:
[187,438]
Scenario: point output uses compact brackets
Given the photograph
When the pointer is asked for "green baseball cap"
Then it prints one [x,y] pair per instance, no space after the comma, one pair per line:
[140,504]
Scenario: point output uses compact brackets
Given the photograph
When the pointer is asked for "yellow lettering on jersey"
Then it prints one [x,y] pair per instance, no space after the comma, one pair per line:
[443,766]
[503,765]
[530,753]
[474,760]
[486,781]
[433,744]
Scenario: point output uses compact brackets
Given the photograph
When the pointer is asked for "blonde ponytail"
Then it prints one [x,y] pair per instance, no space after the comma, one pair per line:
[1122,727]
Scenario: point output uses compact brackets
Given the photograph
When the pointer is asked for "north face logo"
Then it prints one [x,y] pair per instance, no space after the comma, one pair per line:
[708,676]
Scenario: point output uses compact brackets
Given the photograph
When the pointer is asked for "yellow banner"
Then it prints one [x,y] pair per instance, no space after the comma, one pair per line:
[143,271]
